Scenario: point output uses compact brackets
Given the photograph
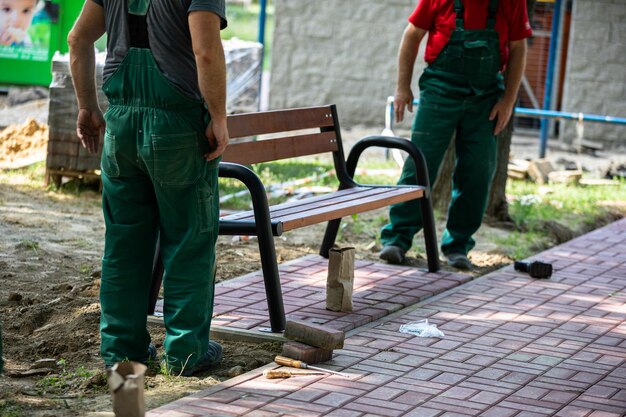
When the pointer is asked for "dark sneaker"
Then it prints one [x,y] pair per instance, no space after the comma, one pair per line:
[392,254]
[459,261]
[211,358]
[151,355]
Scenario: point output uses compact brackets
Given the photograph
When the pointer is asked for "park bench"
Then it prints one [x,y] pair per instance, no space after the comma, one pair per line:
[296,133]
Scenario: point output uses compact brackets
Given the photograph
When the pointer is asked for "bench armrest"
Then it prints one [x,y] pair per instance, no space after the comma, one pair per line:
[391,142]
[260,204]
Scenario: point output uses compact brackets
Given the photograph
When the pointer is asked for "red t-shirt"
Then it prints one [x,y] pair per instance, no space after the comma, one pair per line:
[438,18]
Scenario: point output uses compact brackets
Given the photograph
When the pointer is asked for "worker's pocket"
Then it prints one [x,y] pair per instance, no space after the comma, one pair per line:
[108,161]
[207,208]
[479,59]
[176,158]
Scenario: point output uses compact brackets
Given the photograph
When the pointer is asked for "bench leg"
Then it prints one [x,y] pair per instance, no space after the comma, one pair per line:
[329,237]
[430,235]
[271,277]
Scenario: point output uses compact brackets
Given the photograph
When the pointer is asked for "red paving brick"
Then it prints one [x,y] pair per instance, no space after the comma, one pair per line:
[514,346]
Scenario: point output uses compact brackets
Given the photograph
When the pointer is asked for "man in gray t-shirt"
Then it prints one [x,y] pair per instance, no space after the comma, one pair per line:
[170,40]
[164,132]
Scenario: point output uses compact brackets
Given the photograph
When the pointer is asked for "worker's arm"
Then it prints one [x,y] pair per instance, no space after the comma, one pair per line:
[406,61]
[207,47]
[86,31]
[517,63]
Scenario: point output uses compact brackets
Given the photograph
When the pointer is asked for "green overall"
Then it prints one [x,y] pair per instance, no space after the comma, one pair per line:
[457,92]
[155,180]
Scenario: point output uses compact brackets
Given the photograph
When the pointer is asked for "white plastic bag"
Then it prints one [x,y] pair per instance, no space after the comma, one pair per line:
[422,329]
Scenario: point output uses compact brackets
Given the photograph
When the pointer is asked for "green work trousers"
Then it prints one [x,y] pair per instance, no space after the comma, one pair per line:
[156,182]
[439,115]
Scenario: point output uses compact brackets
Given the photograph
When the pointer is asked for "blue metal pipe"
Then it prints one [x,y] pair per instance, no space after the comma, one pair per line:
[547,94]
[553,114]
[262,21]
[534,113]
[261,39]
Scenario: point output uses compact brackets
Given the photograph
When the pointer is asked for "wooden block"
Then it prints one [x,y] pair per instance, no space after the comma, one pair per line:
[305,353]
[517,172]
[314,335]
[567,177]
[539,169]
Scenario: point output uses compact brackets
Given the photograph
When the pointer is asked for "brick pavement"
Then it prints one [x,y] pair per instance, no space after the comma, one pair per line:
[379,290]
[514,346]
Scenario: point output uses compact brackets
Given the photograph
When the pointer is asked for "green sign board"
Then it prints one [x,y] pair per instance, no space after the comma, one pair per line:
[31,31]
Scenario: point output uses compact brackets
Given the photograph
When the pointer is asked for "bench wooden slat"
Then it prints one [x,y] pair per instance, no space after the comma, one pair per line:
[349,208]
[252,124]
[247,153]
[334,205]
[286,208]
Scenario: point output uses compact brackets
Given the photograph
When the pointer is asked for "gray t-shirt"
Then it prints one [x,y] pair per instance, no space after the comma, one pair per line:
[168,32]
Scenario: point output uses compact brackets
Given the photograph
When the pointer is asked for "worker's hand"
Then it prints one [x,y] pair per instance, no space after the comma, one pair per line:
[403,98]
[501,112]
[217,135]
[89,128]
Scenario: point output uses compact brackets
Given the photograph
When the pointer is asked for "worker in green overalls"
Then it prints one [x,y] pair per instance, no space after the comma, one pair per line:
[164,131]
[461,90]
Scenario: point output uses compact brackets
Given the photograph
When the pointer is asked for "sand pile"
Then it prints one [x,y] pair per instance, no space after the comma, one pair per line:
[25,143]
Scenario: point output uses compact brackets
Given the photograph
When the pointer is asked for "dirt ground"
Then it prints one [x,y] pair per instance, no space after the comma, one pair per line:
[50,249]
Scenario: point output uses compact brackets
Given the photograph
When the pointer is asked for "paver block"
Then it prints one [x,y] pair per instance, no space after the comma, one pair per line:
[314,334]
[306,353]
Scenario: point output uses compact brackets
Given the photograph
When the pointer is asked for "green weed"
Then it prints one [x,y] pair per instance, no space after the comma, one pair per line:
[10,408]
[29,244]
[64,381]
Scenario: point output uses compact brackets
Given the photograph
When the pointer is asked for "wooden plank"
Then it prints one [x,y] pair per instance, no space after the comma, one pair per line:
[321,200]
[334,205]
[247,153]
[349,208]
[252,124]
[332,200]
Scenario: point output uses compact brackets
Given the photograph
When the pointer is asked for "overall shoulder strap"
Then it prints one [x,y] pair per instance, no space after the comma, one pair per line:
[458,8]
[491,16]
[138,24]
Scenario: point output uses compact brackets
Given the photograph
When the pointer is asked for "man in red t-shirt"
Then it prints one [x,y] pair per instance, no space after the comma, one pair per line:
[470,43]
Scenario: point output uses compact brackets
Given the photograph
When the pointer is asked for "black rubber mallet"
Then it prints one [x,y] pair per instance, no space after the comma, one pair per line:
[535,269]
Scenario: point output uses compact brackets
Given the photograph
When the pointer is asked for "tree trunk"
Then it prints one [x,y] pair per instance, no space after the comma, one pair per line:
[442,188]
[497,206]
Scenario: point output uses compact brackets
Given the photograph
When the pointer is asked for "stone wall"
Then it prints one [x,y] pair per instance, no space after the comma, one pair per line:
[338,51]
[595,80]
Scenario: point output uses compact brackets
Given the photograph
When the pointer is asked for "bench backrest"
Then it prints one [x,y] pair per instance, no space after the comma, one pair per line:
[319,123]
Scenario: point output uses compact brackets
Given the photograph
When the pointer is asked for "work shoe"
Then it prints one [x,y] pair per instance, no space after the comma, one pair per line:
[211,358]
[459,261]
[392,254]
[151,355]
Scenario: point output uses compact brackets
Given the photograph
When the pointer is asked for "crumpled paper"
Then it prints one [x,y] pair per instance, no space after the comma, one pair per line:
[422,329]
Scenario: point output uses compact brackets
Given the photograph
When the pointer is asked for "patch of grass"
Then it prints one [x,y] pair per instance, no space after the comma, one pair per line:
[85,269]
[29,244]
[10,408]
[521,245]
[579,208]
[64,381]
[30,177]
